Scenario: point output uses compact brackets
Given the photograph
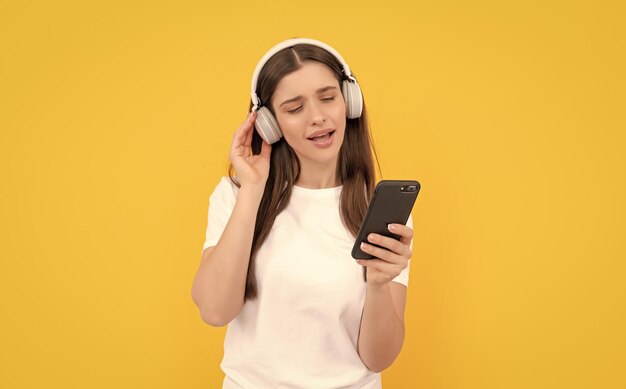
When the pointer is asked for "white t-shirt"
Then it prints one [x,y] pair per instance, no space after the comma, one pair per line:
[302,329]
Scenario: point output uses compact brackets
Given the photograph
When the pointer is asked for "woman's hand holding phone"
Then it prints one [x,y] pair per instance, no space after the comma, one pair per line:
[252,170]
[383,243]
[390,258]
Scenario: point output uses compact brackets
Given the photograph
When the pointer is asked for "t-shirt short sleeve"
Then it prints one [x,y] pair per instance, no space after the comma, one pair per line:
[221,205]
[403,277]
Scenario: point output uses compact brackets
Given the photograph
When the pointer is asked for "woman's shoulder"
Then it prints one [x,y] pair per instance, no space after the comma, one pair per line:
[227,181]
[225,188]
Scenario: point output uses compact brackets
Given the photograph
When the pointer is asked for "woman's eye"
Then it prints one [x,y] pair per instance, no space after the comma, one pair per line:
[300,107]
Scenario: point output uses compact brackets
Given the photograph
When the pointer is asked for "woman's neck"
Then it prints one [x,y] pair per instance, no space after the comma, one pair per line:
[316,179]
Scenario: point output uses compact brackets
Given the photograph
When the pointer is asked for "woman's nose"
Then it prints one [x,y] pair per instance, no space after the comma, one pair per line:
[317,114]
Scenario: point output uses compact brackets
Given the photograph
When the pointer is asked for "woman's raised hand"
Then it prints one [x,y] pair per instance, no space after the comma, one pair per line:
[251,170]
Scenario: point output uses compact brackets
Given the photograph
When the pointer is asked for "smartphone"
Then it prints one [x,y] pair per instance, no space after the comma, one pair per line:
[392,202]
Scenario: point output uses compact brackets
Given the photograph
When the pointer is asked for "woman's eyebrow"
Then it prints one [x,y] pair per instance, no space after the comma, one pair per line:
[320,90]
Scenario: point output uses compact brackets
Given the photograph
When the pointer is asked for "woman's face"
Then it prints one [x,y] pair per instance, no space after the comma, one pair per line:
[311,113]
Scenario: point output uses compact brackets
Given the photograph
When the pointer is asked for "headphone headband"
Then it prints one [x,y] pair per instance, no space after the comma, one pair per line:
[289,43]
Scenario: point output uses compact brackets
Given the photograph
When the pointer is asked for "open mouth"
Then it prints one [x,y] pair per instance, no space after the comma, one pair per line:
[323,137]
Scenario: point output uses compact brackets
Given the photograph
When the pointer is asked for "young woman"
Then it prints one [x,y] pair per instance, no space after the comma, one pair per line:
[277,265]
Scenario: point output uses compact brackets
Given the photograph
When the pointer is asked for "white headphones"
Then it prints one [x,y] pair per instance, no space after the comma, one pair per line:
[266,124]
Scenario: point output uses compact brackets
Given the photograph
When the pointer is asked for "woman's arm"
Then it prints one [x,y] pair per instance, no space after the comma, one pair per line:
[219,285]
[382,325]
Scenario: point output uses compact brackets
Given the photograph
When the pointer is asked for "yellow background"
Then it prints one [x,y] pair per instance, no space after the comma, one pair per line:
[116,118]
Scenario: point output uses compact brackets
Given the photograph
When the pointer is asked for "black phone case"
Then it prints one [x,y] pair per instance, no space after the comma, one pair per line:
[390,204]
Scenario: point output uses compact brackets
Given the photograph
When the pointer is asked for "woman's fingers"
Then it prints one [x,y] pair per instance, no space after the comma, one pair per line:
[241,132]
[401,247]
[405,232]
[249,130]
[243,135]
[390,255]
[388,243]
[381,253]
[250,169]
[266,149]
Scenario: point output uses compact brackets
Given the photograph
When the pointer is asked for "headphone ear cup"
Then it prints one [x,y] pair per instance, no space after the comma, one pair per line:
[267,126]
[353,97]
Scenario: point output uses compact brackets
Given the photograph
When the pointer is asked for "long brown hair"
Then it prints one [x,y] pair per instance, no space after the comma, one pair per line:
[355,165]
